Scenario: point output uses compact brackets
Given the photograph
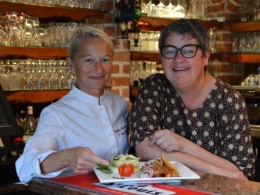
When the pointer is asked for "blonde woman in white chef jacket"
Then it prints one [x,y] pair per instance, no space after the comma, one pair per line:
[87,126]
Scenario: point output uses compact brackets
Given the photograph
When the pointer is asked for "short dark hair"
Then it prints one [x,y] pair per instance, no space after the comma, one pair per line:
[187,27]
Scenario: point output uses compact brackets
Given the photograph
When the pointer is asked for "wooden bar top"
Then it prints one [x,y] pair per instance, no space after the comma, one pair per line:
[12,188]
[223,185]
[207,183]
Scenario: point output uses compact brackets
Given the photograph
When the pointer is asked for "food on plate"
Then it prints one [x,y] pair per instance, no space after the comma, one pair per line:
[168,164]
[127,159]
[127,164]
[126,170]
[123,164]
[159,167]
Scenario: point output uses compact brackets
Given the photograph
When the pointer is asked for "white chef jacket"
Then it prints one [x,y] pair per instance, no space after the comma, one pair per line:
[78,119]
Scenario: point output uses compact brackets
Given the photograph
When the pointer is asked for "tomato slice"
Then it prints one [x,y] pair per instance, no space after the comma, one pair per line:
[126,170]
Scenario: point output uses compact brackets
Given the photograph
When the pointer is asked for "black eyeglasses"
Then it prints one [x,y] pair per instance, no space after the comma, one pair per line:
[187,51]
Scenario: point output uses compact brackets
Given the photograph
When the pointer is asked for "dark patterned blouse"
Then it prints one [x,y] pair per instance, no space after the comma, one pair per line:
[220,125]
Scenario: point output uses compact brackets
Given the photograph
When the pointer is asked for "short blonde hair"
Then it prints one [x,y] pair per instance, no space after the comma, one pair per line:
[87,32]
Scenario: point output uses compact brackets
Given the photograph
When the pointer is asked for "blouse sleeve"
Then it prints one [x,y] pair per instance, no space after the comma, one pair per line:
[236,139]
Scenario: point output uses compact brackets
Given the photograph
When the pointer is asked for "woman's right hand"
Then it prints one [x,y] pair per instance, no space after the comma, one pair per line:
[168,140]
[82,159]
[235,174]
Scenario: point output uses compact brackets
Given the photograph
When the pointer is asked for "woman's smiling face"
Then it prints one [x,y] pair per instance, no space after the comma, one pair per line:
[183,72]
[92,65]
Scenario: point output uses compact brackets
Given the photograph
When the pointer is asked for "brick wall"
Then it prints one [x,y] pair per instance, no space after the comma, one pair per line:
[230,73]
[120,78]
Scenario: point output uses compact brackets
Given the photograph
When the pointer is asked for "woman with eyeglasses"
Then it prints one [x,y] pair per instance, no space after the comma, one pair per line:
[189,116]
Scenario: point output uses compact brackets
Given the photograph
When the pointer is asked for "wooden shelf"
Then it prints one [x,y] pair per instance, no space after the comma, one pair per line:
[244,58]
[145,56]
[244,26]
[32,52]
[155,23]
[46,11]
[35,96]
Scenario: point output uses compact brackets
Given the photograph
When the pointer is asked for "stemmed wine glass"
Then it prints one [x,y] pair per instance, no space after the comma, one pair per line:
[179,10]
[242,12]
[169,9]
[160,9]
[235,42]
[151,8]
[242,42]
[257,41]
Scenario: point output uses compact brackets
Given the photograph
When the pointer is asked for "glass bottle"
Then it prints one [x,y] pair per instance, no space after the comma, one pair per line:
[29,124]
[19,119]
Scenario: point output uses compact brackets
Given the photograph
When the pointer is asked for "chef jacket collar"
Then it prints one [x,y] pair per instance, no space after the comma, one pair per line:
[86,97]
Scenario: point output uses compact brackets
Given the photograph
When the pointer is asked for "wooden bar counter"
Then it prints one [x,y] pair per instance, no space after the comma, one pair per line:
[208,183]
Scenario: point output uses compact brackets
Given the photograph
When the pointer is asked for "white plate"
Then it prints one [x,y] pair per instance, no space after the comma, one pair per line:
[185,173]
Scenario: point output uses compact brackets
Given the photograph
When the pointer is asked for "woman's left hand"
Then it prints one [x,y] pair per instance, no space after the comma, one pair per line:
[168,140]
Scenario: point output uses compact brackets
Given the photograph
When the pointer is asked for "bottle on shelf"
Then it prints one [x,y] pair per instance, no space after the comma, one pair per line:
[29,124]
[19,118]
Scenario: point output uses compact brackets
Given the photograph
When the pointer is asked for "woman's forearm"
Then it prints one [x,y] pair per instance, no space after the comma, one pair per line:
[169,141]
[199,152]
[144,149]
[54,162]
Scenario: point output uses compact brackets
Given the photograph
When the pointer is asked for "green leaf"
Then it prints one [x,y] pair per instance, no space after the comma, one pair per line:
[104,168]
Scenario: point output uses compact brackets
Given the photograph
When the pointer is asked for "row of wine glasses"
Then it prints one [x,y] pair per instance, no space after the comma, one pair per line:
[248,11]
[25,30]
[36,74]
[253,80]
[84,4]
[175,9]
[148,40]
[141,69]
[162,10]
[246,42]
